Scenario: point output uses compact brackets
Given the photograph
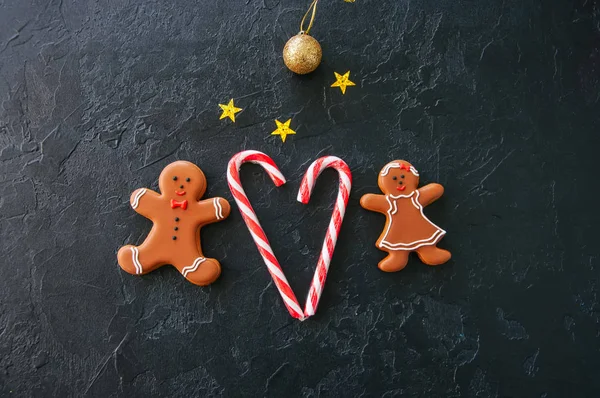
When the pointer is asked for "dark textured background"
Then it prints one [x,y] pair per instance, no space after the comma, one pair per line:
[496,100]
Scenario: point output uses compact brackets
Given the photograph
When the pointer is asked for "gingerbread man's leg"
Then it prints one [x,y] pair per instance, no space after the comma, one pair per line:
[433,255]
[137,260]
[395,261]
[200,270]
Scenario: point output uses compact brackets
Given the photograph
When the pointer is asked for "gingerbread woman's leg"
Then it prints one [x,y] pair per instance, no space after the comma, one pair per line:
[200,270]
[433,255]
[395,261]
[137,260]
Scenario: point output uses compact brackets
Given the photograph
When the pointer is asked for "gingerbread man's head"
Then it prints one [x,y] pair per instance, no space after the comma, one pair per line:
[398,178]
[182,180]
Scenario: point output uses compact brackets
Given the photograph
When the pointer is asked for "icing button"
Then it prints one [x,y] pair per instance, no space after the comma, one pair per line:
[176,228]
[174,238]
[176,218]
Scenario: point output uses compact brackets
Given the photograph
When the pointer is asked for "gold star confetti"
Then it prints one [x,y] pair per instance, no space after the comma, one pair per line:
[283,129]
[349,1]
[342,81]
[229,111]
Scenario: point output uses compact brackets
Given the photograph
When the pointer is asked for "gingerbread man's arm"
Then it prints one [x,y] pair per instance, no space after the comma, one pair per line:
[211,210]
[374,202]
[144,201]
[430,193]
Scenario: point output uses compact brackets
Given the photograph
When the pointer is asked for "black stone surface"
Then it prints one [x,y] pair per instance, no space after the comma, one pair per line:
[496,100]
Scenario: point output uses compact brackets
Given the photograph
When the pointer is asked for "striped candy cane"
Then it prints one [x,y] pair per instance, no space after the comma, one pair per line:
[258,234]
[260,238]
[308,183]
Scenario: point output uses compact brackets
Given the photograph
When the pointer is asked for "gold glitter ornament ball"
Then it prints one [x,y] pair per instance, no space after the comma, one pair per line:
[302,54]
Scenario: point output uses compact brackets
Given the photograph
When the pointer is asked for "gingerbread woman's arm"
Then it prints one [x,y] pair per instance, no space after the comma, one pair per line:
[430,193]
[144,201]
[374,202]
[212,210]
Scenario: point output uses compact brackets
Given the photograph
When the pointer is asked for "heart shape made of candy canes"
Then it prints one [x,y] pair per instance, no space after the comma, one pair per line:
[260,238]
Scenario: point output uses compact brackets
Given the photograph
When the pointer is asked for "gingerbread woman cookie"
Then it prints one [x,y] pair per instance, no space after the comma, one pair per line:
[406,228]
[177,214]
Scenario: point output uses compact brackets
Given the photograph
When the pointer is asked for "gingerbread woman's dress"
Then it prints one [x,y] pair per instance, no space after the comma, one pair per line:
[411,228]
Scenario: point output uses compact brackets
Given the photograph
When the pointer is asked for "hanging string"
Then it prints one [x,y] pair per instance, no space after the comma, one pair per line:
[312,6]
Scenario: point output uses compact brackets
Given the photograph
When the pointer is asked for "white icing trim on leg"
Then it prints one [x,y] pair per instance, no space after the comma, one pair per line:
[135,255]
[136,198]
[192,268]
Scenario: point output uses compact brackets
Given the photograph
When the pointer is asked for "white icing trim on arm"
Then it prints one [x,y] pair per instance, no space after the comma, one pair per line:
[218,208]
[136,198]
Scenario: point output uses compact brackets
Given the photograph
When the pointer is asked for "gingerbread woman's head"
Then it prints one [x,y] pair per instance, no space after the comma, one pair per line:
[398,178]
[182,180]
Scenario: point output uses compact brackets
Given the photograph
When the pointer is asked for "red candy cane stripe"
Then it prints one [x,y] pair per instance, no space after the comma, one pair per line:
[308,183]
[258,234]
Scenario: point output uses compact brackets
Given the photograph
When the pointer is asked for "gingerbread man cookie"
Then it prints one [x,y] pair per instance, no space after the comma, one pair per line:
[177,214]
[406,228]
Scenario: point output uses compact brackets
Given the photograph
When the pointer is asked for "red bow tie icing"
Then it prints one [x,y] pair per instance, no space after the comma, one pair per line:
[260,238]
[179,203]
[405,167]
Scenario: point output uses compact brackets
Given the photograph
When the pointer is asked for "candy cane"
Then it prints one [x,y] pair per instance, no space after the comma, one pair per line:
[258,234]
[308,183]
